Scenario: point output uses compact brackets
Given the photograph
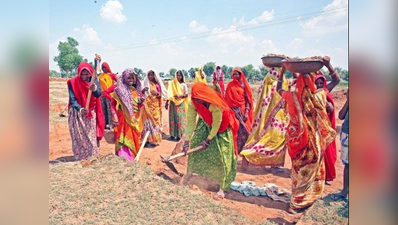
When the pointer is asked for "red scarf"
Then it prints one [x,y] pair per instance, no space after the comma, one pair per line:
[112,75]
[235,96]
[80,89]
[205,93]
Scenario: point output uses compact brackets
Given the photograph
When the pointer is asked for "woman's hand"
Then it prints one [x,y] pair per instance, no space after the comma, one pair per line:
[145,89]
[177,96]
[329,107]
[115,121]
[93,87]
[154,92]
[246,116]
[205,143]
[326,61]
[185,148]
[83,111]
[166,106]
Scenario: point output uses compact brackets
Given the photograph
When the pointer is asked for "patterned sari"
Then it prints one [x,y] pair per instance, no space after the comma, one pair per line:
[129,114]
[152,113]
[86,130]
[239,98]
[217,123]
[178,108]
[308,134]
[266,145]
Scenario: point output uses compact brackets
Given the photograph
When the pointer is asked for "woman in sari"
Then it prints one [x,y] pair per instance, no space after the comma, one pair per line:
[107,80]
[215,131]
[239,98]
[218,81]
[330,153]
[266,145]
[177,104]
[153,90]
[126,115]
[86,126]
[200,76]
[308,134]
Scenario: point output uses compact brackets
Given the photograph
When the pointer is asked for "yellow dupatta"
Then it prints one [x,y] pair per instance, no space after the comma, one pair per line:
[198,76]
[175,88]
[105,81]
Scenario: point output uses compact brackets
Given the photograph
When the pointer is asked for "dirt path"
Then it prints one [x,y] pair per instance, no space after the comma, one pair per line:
[254,208]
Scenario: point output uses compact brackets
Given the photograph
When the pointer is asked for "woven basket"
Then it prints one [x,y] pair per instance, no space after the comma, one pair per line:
[300,66]
[272,61]
[109,136]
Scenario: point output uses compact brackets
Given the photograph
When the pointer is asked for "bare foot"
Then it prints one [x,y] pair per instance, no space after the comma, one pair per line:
[291,211]
[220,195]
[245,164]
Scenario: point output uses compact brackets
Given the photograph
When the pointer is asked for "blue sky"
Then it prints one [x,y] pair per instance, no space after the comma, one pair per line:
[183,34]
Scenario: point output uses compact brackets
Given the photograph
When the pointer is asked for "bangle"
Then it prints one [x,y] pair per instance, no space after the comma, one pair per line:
[280,89]
[280,81]
[334,73]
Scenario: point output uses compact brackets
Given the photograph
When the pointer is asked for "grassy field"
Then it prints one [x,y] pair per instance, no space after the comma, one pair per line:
[114,191]
[326,211]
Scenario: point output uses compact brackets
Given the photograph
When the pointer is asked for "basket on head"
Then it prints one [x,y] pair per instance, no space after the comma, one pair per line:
[272,60]
[109,136]
[303,66]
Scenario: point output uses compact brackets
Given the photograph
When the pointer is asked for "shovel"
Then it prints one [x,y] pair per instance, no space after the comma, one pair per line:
[171,165]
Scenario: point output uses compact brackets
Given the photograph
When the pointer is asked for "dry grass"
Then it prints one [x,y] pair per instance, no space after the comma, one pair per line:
[326,211]
[117,192]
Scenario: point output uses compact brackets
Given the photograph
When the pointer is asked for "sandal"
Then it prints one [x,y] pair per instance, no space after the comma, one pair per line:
[339,196]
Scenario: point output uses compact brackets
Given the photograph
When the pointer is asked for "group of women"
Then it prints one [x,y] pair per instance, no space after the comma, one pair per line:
[297,117]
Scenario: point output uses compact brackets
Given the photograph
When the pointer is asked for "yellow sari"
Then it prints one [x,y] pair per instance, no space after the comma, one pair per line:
[178,108]
[266,145]
[152,116]
[198,76]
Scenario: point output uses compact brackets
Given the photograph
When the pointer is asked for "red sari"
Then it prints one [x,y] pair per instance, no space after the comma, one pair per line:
[330,153]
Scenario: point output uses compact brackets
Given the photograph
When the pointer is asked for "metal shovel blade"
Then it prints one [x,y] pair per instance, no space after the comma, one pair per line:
[170,165]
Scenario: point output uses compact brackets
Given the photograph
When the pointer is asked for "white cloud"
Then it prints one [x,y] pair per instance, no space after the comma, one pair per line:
[333,19]
[196,27]
[268,46]
[154,41]
[88,34]
[296,44]
[113,11]
[229,35]
[264,17]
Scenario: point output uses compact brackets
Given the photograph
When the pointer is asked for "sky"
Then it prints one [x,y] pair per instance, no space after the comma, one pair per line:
[181,34]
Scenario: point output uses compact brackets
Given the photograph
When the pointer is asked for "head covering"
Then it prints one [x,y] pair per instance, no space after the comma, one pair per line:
[113,76]
[145,84]
[235,96]
[80,90]
[123,89]
[318,75]
[198,76]
[205,93]
[175,88]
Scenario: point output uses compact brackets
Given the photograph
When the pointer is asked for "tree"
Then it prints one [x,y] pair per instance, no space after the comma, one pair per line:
[68,58]
[191,72]
[138,71]
[172,72]
[209,68]
[263,72]
[161,74]
[185,73]
[53,73]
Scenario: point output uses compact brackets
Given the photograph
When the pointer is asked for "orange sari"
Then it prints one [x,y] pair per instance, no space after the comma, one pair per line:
[128,131]
[308,134]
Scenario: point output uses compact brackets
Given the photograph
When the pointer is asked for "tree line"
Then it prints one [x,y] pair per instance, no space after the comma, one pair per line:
[69,58]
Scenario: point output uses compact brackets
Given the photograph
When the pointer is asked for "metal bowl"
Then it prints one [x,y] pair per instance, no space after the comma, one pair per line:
[272,61]
[300,66]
